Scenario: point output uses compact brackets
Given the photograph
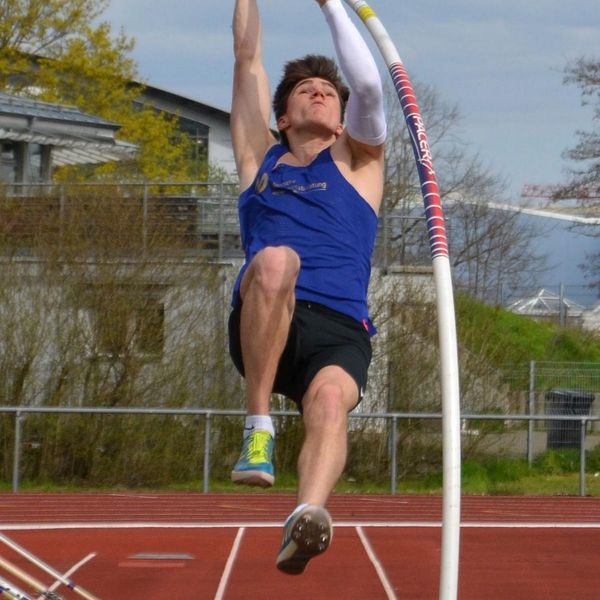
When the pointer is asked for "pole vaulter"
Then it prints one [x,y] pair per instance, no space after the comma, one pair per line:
[445,300]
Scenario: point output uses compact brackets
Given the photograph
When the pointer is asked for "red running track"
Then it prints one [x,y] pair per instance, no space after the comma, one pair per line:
[195,546]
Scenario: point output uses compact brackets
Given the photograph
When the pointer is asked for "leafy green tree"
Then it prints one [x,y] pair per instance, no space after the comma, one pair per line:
[55,50]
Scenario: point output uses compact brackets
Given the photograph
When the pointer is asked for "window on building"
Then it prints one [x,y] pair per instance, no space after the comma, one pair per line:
[35,163]
[7,162]
[198,134]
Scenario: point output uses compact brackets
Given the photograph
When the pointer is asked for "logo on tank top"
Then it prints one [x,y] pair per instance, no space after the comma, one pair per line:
[291,185]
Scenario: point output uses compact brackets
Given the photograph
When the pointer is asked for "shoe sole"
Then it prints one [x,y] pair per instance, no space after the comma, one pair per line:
[311,535]
[253,478]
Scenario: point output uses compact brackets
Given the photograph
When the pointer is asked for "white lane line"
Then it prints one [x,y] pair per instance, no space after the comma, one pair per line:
[72,570]
[528,525]
[229,566]
[378,566]
[267,524]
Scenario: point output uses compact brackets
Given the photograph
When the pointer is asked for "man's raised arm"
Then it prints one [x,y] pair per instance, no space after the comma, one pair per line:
[365,117]
[251,101]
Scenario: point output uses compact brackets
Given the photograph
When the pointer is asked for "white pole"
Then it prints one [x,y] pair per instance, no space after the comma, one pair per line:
[448,589]
[11,591]
[450,430]
[47,568]
[30,580]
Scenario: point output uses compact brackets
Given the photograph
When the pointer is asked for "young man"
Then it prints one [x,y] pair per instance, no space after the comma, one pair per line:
[308,218]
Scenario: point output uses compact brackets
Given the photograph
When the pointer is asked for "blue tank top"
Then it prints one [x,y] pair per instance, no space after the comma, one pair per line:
[315,211]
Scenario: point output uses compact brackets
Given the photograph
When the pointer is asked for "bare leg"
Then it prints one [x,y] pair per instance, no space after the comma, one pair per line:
[331,395]
[308,530]
[267,293]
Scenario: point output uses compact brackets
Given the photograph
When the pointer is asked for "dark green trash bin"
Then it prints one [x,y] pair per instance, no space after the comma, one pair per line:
[566,434]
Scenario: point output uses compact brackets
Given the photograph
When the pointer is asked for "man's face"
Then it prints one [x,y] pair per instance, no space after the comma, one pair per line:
[313,103]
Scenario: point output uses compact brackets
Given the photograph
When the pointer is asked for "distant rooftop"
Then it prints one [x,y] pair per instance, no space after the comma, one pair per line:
[151,91]
[76,137]
[31,108]
[545,303]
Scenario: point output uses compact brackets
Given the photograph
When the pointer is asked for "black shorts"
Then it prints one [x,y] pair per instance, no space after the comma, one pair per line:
[318,337]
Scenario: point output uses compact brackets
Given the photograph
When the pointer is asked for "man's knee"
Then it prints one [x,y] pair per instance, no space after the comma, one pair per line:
[275,269]
[327,406]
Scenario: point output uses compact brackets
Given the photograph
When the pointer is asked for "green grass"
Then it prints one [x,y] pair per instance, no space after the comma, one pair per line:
[506,338]
[555,472]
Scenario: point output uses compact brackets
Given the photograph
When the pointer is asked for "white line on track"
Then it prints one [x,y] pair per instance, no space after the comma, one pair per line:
[378,566]
[227,571]
[269,524]
[530,525]
[72,570]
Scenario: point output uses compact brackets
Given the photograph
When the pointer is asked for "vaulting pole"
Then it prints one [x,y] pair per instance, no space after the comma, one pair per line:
[445,300]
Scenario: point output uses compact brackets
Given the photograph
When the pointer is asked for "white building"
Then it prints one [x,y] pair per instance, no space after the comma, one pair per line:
[591,318]
[207,125]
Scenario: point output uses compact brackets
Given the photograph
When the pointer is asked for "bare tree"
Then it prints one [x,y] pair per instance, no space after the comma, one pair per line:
[105,303]
[583,184]
[488,245]
[492,250]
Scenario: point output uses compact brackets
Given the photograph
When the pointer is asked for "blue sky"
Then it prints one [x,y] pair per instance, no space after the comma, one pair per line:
[500,62]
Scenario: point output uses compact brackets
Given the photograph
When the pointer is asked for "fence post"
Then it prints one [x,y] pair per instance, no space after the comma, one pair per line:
[207,427]
[221,221]
[386,241]
[61,217]
[582,457]
[394,453]
[17,452]
[530,403]
[145,218]
[562,307]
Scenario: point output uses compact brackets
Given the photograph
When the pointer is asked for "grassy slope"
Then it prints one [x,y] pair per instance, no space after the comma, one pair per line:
[509,339]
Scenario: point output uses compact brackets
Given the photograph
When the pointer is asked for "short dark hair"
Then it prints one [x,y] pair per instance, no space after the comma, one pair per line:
[295,71]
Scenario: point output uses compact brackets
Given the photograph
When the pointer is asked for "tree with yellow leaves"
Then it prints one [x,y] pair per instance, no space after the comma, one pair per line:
[58,51]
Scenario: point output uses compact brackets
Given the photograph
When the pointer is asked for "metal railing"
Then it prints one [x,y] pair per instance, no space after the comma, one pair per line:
[208,414]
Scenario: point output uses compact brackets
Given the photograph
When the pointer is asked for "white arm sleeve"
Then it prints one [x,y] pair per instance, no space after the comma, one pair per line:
[365,117]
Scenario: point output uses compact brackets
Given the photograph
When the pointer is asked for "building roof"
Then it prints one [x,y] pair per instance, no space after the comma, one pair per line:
[153,92]
[161,97]
[76,137]
[545,303]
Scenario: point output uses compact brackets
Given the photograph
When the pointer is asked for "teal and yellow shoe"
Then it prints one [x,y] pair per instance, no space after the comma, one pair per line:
[255,465]
[307,533]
